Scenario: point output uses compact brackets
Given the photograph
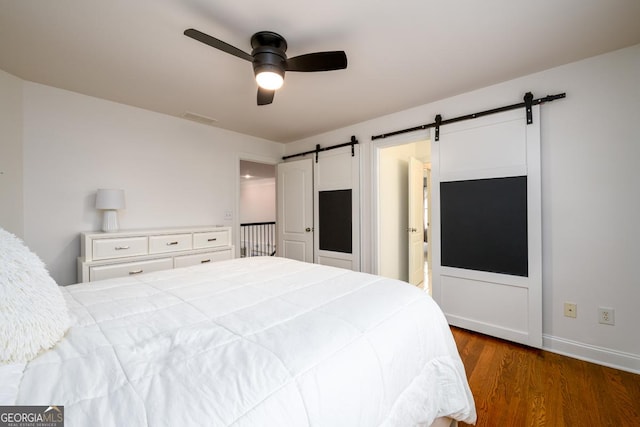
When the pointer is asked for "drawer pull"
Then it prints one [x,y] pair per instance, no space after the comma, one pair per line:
[212,240]
[204,261]
[171,243]
[136,272]
[120,248]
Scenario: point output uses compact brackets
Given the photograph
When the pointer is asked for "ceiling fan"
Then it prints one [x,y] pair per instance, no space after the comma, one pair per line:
[270,60]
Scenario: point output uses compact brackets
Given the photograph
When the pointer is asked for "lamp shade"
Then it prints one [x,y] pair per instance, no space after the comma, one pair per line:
[107,198]
[269,80]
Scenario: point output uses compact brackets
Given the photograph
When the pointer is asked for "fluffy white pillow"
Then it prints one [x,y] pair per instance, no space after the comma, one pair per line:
[33,314]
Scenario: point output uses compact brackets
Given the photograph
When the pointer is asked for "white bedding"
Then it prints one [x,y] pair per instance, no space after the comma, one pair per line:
[251,342]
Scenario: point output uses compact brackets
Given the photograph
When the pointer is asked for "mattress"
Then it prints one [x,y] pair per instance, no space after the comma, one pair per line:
[261,341]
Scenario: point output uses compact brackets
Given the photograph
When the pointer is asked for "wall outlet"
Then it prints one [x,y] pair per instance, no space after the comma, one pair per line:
[606,316]
[570,309]
[228,215]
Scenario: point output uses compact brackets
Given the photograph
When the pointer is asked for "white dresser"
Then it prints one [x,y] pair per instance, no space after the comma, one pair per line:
[130,252]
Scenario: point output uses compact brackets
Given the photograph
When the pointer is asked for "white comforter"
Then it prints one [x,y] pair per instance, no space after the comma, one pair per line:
[251,342]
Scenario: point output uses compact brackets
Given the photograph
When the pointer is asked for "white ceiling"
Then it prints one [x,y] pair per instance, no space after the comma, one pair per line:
[401,53]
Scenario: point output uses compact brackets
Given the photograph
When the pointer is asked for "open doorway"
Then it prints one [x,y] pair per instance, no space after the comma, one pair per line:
[257,209]
[399,235]
[426,195]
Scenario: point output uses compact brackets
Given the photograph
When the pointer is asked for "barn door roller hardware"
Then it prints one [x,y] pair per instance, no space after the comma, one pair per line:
[438,122]
[319,149]
[528,103]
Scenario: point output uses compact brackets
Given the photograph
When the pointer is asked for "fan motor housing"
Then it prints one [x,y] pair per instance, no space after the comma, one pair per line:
[268,38]
[268,61]
[269,52]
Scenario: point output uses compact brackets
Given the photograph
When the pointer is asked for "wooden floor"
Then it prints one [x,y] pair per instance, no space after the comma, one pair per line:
[515,385]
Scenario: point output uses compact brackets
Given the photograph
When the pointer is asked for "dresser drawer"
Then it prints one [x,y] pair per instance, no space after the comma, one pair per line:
[119,247]
[169,243]
[211,239]
[223,255]
[189,260]
[204,258]
[129,268]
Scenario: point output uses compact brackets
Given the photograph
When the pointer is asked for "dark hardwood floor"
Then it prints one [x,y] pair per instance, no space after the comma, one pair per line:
[514,385]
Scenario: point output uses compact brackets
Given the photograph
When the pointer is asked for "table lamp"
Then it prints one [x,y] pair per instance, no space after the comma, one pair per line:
[110,200]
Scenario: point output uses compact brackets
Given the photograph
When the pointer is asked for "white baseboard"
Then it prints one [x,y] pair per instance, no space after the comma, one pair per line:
[591,353]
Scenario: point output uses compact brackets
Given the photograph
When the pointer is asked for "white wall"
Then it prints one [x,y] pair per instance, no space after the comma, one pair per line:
[11,204]
[258,200]
[174,172]
[590,203]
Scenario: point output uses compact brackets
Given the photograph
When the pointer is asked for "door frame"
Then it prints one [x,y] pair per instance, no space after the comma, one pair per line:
[247,157]
[419,136]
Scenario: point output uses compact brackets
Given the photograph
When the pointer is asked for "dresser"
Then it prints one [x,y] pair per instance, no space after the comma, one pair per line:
[131,252]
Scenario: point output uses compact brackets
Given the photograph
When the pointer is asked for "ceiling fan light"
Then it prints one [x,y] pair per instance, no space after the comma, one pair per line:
[269,80]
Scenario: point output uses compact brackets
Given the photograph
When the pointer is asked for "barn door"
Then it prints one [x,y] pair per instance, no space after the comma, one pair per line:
[487,272]
[294,212]
[337,208]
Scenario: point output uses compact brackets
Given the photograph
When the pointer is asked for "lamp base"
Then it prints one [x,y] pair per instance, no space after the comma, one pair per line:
[110,221]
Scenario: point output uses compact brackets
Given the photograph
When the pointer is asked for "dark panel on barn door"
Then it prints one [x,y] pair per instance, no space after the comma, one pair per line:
[335,223]
[484,225]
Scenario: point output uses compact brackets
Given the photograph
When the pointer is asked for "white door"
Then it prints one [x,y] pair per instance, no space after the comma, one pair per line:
[415,223]
[486,217]
[429,237]
[294,217]
[337,208]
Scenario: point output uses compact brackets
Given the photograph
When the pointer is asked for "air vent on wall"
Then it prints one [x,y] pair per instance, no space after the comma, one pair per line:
[199,118]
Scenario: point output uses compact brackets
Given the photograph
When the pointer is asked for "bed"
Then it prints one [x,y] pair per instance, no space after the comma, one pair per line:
[261,341]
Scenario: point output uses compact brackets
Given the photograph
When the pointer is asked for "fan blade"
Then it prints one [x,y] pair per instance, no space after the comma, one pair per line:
[218,44]
[265,96]
[319,61]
